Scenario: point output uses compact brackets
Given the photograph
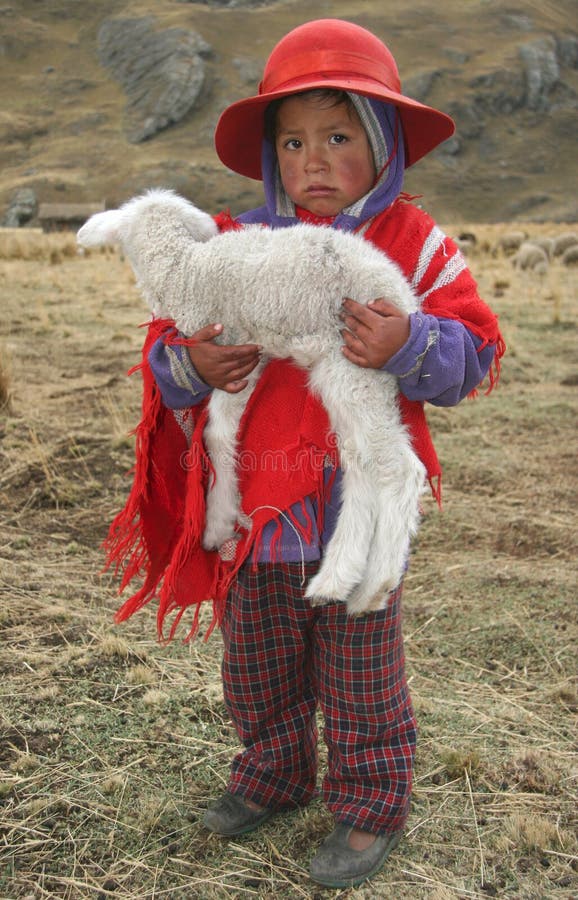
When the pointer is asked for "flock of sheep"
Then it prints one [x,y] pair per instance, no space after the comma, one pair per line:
[534,254]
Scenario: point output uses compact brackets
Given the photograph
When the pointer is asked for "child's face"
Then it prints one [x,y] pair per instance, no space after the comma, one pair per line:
[324,155]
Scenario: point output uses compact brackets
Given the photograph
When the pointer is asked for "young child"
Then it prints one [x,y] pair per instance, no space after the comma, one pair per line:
[330,134]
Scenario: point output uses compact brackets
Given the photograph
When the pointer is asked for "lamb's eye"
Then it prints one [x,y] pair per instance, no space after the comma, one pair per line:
[337,139]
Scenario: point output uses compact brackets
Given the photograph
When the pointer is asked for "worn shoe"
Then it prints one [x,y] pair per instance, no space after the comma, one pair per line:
[336,865]
[230,816]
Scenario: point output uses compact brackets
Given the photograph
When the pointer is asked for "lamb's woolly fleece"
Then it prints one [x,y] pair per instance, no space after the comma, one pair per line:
[283,289]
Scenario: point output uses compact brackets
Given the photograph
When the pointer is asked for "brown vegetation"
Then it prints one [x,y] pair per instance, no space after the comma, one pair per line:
[5,382]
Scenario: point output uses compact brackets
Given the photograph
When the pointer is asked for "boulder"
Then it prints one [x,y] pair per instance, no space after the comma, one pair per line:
[249,70]
[540,82]
[497,93]
[21,209]
[516,22]
[542,71]
[161,72]
[568,51]
[419,86]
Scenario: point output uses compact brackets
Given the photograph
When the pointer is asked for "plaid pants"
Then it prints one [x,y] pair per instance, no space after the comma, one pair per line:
[281,658]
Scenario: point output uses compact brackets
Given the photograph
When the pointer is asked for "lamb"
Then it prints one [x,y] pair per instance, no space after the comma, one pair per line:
[283,289]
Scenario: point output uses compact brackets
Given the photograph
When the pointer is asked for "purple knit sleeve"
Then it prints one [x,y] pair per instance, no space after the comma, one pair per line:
[441,361]
[178,381]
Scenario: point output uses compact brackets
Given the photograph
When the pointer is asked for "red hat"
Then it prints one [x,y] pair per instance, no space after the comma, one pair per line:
[327,53]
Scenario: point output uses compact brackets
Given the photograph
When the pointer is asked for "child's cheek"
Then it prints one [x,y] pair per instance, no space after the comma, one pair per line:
[289,179]
[357,180]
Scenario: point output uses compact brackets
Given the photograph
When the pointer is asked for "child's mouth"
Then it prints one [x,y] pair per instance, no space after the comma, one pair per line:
[320,190]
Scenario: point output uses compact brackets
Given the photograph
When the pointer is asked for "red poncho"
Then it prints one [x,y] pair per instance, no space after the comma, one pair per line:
[157,535]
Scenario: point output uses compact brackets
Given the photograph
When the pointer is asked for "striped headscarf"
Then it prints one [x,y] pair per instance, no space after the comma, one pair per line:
[385,136]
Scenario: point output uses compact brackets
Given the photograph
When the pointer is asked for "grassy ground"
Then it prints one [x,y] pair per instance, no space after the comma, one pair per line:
[112,745]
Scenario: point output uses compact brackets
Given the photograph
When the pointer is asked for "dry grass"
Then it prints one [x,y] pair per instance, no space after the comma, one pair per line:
[111,745]
[5,382]
[34,244]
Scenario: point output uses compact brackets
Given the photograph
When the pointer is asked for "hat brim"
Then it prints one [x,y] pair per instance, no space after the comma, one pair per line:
[240,129]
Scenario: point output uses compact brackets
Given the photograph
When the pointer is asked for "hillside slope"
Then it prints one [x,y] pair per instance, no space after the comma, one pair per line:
[508,74]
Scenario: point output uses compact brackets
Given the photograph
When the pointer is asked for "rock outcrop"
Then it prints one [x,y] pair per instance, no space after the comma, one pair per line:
[538,84]
[161,72]
[541,70]
[21,209]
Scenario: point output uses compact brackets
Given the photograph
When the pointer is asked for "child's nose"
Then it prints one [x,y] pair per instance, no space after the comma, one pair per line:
[316,160]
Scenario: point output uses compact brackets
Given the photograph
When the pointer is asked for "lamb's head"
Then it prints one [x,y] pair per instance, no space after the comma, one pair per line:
[115,226]
[101,229]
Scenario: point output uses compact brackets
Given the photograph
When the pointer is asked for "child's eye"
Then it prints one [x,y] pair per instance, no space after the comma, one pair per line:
[292,144]
[337,139]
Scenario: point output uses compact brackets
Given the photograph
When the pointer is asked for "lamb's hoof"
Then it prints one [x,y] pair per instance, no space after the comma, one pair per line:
[323,589]
[214,539]
[318,601]
[361,601]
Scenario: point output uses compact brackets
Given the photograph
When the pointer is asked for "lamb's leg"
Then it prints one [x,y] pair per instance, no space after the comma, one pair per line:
[397,522]
[220,435]
[341,388]
[387,478]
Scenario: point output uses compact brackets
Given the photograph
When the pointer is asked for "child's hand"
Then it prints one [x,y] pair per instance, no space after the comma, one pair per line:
[373,333]
[222,366]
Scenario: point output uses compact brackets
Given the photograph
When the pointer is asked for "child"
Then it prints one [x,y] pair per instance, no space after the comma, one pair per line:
[330,135]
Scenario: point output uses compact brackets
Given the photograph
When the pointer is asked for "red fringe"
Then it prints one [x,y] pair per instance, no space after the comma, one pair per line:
[226,222]
[435,484]
[125,547]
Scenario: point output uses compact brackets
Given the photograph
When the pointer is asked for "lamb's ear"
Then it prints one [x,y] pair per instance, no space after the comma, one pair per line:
[200,225]
[100,229]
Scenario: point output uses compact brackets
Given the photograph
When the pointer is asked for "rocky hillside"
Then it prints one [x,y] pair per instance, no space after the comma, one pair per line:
[100,100]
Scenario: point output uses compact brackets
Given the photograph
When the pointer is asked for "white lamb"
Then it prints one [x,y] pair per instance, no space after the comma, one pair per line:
[283,289]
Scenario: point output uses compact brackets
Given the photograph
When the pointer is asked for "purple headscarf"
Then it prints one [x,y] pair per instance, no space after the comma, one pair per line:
[385,135]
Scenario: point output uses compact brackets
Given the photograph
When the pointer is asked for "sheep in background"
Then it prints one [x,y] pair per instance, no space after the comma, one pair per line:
[531,256]
[511,241]
[283,289]
[563,241]
[546,243]
[570,255]
[467,242]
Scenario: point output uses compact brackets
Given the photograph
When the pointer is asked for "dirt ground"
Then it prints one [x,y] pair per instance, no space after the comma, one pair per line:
[111,745]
